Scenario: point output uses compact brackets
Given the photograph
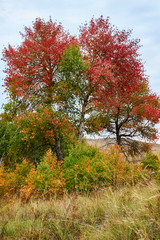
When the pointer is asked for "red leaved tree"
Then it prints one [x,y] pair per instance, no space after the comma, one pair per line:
[126,107]
[32,72]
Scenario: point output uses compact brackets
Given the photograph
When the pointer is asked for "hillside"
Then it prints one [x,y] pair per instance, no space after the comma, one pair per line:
[103,144]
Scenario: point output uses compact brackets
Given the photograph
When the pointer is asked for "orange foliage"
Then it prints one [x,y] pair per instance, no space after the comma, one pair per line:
[84,169]
[28,181]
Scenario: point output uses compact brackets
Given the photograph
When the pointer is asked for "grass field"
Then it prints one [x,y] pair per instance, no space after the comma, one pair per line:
[128,213]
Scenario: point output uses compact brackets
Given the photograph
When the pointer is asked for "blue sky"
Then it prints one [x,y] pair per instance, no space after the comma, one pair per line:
[143,16]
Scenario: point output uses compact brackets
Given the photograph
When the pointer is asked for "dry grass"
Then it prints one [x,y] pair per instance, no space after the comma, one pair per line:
[127,213]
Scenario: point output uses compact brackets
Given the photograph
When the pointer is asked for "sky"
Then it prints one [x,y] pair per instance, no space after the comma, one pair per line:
[142,16]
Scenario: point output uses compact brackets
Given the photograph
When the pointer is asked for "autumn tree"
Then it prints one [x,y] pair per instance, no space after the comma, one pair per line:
[33,78]
[126,107]
[47,69]
[32,72]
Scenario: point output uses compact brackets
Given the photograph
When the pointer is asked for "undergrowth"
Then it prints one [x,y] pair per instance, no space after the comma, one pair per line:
[85,169]
[129,213]
[91,195]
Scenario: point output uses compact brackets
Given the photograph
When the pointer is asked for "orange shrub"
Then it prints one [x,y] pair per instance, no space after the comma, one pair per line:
[46,180]
[28,181]
[11,181]
[2,180]
[122,172]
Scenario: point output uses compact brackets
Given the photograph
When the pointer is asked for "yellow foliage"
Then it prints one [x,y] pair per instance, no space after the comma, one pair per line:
[85,172]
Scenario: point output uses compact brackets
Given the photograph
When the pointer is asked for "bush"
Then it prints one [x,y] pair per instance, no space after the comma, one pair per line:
[26,180]
[151,162]
[47,179]
[86,168]
[12,180]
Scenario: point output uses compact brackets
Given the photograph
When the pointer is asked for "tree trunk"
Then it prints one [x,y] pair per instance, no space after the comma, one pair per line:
[81,124]
[58,147]
[82,120]
[118,137]
[81,127]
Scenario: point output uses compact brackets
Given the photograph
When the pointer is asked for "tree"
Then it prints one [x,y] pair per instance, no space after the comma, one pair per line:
[32,72]
[126,106]
[33,77]
[79,88]
[80,71]
[41,70]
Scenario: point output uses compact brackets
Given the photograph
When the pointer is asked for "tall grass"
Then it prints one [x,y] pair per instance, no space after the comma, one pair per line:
[129,213]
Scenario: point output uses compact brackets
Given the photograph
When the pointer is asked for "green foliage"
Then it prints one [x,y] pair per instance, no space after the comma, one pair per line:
[151,162]
[87,167]
[76,88]
[13,146]
[9,135]
[84,168]
[73,62]
[30,135]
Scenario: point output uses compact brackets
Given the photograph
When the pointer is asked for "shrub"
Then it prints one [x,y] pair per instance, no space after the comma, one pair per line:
[12,180]
[157,175]
[26,180]
[151,162]
[86,168]
[122,172]
[46,179]
[2,180]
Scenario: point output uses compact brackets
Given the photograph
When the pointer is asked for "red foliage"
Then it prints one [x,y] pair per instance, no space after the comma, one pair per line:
[32,67]
[44,125]
[117,73]
[113,57]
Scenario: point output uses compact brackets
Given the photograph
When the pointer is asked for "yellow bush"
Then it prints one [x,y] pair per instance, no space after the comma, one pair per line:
[47,179]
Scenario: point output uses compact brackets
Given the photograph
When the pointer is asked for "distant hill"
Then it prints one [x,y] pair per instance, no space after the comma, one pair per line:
[103,144]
